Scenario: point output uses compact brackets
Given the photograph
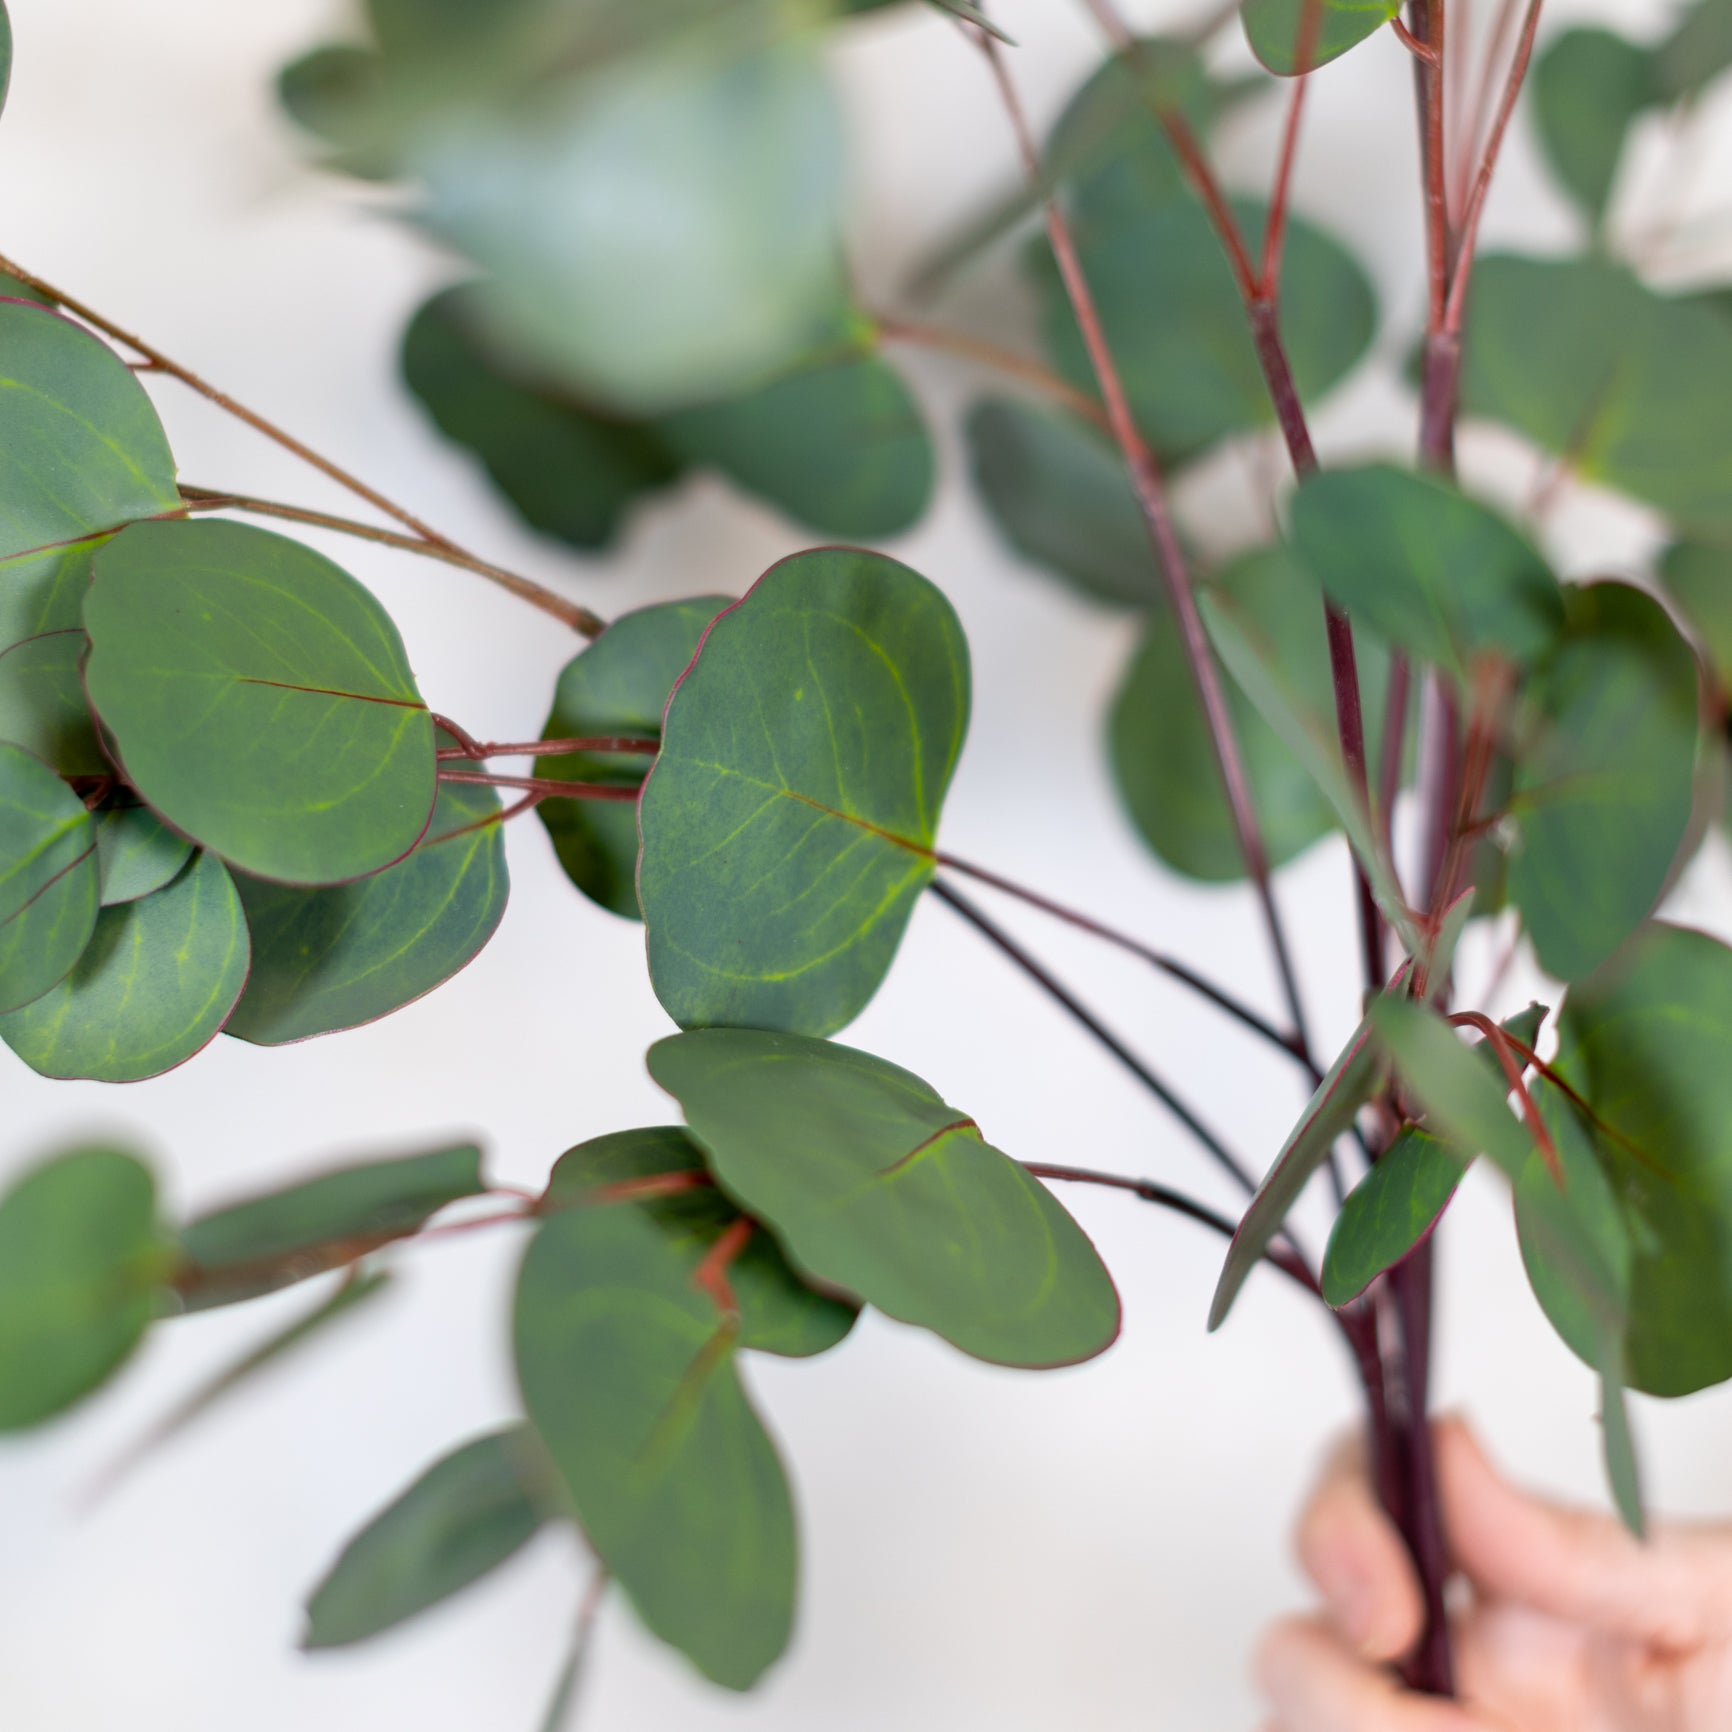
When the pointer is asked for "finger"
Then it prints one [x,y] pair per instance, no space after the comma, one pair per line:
[1350,1549]
[1674,1591]
[1314,1683]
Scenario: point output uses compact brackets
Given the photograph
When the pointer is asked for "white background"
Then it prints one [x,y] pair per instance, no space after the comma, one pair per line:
[983,1549]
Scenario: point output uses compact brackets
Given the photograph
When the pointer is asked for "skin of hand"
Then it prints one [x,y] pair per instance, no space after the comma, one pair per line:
[1569,1624]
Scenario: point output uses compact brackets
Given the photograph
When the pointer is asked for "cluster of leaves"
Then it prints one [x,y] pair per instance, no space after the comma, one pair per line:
[224,803]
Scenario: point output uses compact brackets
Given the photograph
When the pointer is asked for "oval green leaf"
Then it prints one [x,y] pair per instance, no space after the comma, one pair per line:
[470,1512]
[789,820]
[333,959]
[81,1266]
[1697,575]
[874,1185]
[1604,778]
[259,700]
[48,878]
[136,853]
[1388,1212]
[1276,30]
[43,707]
[569,471]
[153,987]
[616,687]
[628,1371]
[1434,572]
[1588,86]
[81,450]
[1057,490]
[644,1169]
[269,1242]
[839,445]
[1163,757]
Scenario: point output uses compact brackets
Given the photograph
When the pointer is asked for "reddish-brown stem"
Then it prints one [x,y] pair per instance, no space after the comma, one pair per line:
[571,613]
[1281,1256]
[647,1189]
[1468,145]
[1150,490]
[1421,51]
[1457,302]
[1068,1001]
[711,1275]
[1275,228]
[1428,18]
[1168,965]
[1007,361]
[543,787]
[472,751]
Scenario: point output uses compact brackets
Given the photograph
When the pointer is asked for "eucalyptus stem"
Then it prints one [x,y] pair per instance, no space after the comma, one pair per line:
[1150,489]
[968,347]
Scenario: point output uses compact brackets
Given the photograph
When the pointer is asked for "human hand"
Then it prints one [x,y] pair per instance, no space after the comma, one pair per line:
[1573,1626]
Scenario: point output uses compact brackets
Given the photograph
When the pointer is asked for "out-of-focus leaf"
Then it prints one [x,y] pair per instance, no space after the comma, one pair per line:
[286,1236]
[1698,50]
[82,1261]
[1434,572]
[1172,314]
[1604,778]
[308,757]
[1698,577]
[726,151]
[1633,390]
[569,471]
[778,1312]
[333,959]
[1276,30]
[153,987]
[470,1512]
[875,1185]
[838,444]
[789,820]
[629,1373]
[1058,492]
[616,687]
[1588,86]
[329,93]
[48,878]
[1163,757]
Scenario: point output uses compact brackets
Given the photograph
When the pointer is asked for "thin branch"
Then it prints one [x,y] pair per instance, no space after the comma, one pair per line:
[1457,303]
[571,613]
[1167,1198]
[999,359]
[1061,995]
[1502,25]
[473,751]
[1151,495]
[1421,51]
[1218,996]
[543,787]
[1275,229]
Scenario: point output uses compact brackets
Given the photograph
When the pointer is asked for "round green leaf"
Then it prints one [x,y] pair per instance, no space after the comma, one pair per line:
[1058,492]
[1588,86]
[1388,1212]
[570,472]
[81,1266]
[839,445]
[1276,30]
[1645,1043]
[1163,758]
[874,1185]
[81,450]
[136,853]
[778,1312]
[333,959]
[1604,777]
[259,700]
[617,686]
[789,820]
[1171,312]
[729,156]
[465,1516]
[1434,572]
[628,1371]
[1698,577]
[43,707]
[1632,389]
[48,878]
[1696,52]
[5,54]
[156,982]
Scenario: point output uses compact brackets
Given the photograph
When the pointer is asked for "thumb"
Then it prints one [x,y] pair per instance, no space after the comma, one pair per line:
[1674,1591]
